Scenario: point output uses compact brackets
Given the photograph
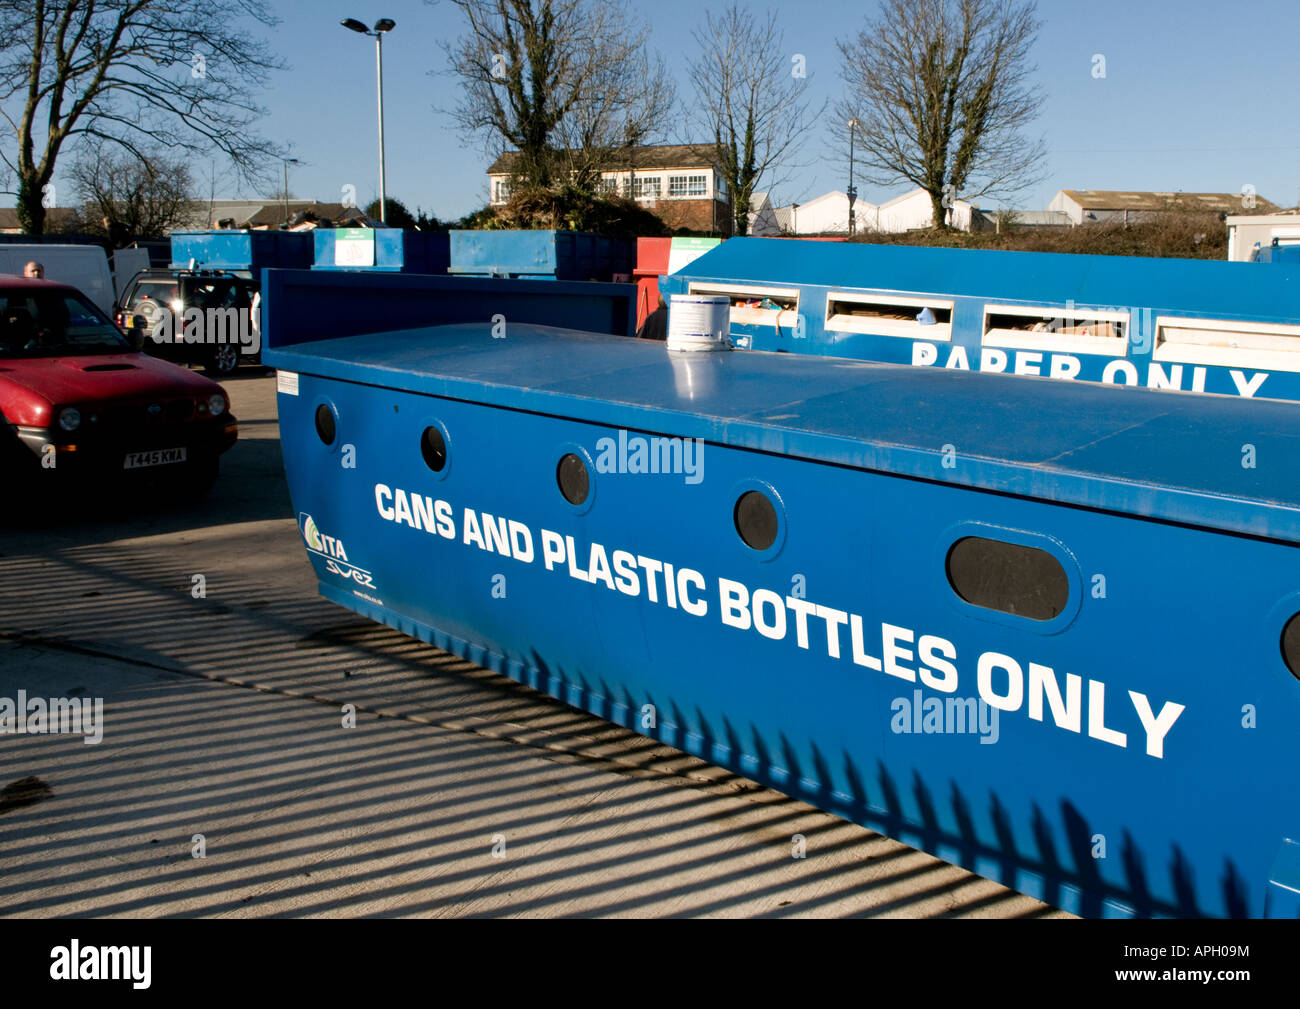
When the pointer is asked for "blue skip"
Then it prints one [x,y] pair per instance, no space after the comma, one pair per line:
[1168,324]
[1043,630]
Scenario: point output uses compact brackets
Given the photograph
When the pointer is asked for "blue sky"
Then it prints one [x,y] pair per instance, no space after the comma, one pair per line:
[1197,97]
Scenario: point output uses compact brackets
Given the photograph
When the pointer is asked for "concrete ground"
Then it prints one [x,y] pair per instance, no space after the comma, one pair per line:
[458,792]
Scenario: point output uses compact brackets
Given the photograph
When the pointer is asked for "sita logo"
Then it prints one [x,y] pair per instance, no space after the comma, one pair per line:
[331,549]
[326,545]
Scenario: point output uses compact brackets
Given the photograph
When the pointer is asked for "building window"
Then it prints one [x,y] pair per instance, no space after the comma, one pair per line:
[607,186]
[500,190]
[646,187]
[688,185]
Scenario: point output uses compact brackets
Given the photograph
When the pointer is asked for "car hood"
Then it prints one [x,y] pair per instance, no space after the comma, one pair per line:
[29,386]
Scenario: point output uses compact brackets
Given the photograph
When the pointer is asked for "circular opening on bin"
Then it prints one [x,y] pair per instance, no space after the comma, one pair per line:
[433,446]
[1291,645]
[571,475]
[325,424]
[755,518]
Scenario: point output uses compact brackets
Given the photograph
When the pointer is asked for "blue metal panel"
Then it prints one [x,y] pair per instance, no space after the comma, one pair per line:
[539,255]
[1198,557]
[241,250]
[1143,290]
[305,305]
[396,250]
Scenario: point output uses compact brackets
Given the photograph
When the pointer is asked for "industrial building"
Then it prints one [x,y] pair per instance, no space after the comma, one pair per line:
[1094,206]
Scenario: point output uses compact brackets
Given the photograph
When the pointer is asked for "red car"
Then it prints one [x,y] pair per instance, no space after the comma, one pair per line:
[78,400]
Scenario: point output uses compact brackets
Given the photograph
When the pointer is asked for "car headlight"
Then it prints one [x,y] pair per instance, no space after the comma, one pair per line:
[177,306]
[217,404]
[69,418]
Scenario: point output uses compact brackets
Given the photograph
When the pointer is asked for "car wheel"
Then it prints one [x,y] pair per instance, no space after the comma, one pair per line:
[224,360]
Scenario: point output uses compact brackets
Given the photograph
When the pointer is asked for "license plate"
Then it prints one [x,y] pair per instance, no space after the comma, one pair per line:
[157,457]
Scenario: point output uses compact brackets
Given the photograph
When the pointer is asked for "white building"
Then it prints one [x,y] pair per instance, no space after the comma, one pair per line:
[911,212]
[681,184]
[826,214]
[1246,232]
[763,221]
[829,214]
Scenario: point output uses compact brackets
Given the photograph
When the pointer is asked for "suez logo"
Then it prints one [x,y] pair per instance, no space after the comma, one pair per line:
[333,553]
[1004,682]
[75,962]
[1067,366]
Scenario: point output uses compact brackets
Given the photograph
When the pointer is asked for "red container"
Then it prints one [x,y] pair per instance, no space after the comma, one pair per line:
[651,264]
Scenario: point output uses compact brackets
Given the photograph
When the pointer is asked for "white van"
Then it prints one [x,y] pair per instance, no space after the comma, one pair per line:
[126,264]
[84,267]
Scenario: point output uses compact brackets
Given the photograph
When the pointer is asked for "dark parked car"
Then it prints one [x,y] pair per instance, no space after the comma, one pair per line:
[78,400]
[162,298]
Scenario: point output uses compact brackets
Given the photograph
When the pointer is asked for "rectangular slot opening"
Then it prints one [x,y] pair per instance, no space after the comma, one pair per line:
[889,315]
[1259,346]
[756,306]
[1070,330]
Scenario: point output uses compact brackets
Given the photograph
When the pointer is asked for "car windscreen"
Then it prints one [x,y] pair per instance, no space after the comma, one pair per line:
[218,292]
[162,291]
[37,323]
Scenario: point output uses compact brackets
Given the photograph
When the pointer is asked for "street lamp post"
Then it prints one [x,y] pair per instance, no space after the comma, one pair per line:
[794,218]
[853,193]
[381,26]
[285,194]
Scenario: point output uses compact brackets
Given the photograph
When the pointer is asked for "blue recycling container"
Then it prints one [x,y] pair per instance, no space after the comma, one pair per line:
[1168,324]
[1048,631]
[250,251]
[383,250]
[540,255]
[1288,255]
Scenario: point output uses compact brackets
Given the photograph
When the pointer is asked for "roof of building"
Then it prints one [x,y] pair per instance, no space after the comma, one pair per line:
[837,195]
[914,194]
[272,215]
[54,217]
[206,213]
[645,157]
[1287,216]
[1123,199]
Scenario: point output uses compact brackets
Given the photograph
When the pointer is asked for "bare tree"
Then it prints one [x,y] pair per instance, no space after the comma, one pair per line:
[173,74]
[126,198]
[628,105]
[750,99]
[550,77]
[941,93]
